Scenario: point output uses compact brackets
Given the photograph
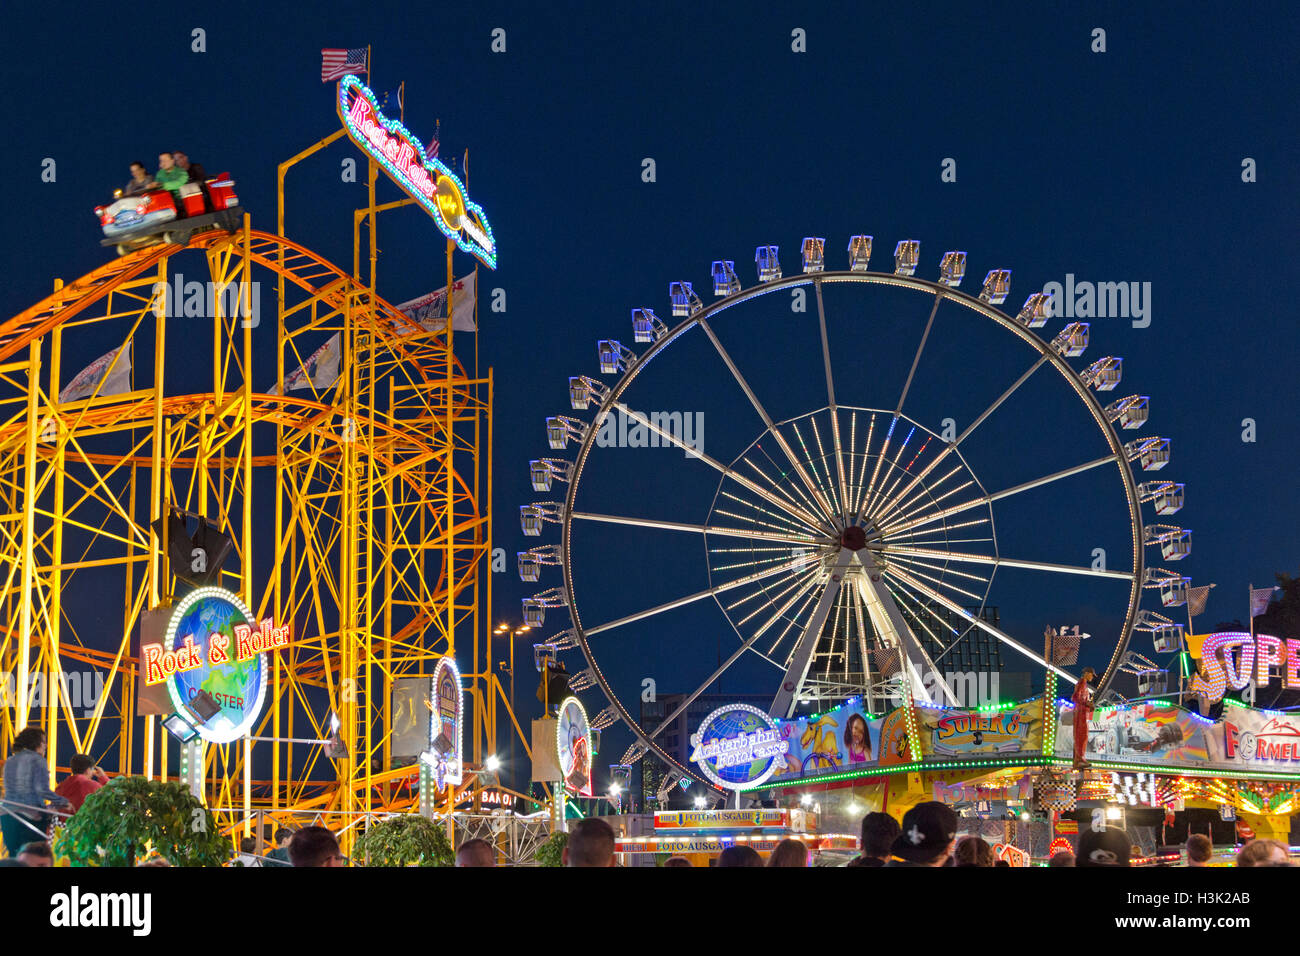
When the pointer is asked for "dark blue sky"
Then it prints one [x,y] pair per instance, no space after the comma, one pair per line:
[1122,166]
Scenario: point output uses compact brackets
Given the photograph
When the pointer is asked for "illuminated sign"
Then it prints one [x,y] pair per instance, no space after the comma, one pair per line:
[432,185]
[1231,659]
[446,721]
[573,746]
[738,746]
[214,645]
[1012,855]
[957,732]
[1260,737]
[720,819]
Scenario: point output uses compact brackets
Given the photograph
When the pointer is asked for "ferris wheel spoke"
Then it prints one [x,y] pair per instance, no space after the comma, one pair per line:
[939,582]
[985,626]
[904,597]
[862,642]
[797,586]
[830,395]
[979,420]
[700,528]
[859,486]
[791,491]
[999,561]
[942,569]
[868,507]
[905,508]
[767,419]
[823,495]
[1007,493]
[916,360]
[735,476]
[809,597]
[699,595]
[722,669]
[801,657]
[878,511]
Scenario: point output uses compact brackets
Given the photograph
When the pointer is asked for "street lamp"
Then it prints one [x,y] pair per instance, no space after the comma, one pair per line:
[510,632]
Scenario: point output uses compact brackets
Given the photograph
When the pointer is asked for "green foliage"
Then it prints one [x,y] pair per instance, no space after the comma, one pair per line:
[130,818]
[551,853]
[404,840]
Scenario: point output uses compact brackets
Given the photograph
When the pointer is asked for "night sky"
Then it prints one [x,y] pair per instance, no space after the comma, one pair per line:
[1117,166]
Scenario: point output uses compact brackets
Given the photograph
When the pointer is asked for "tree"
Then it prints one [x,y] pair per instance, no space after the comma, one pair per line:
[551,853]
[404,840]
[131,818]
[1282,619]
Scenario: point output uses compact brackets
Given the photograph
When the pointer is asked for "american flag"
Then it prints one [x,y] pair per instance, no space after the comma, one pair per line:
[335,64]
[431,150]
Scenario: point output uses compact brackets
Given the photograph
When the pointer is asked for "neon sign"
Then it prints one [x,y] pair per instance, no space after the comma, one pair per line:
[738,746]
[213,645]
[1233,658]
[447,709]
[431,184]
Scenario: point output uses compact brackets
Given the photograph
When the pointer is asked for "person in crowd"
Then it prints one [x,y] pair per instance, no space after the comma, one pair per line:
[1264,852]
[315,846]
[677,861]
[27,791]
[84,780]
[169,175]
[140,180]
[1199,850]
[972,851]
[1061,858]
[248,852]
[36,853]
[928,834]
[591,843]
[476,853]
[879,831]
[1106,846]
[153,861]
[12,861]
[739,855]
[194,171]
[789,852]
[281,852]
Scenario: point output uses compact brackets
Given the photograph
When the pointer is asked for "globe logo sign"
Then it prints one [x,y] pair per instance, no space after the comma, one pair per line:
[213,645]
[738,746]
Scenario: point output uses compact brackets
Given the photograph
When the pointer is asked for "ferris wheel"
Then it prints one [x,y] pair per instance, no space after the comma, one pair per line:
[851,546]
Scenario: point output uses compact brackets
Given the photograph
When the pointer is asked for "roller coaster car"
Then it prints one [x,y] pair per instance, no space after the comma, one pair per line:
[133,222]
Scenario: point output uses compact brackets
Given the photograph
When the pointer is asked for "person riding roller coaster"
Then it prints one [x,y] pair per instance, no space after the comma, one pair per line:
[172,206]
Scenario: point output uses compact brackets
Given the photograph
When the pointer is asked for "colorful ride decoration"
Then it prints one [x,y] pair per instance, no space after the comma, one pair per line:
[738,746]
[573,747]
[213,645]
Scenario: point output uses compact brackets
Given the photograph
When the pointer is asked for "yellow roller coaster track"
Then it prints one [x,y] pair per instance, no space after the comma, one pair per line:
[354,510]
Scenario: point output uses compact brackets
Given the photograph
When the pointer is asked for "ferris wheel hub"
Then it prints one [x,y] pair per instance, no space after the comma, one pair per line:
[854,537]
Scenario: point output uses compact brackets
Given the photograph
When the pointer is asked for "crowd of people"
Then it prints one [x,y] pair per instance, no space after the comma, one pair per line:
[927,836]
